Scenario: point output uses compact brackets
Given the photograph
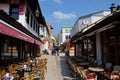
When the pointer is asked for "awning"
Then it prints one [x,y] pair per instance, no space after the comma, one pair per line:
[53,38]
[38,42]
[4,29]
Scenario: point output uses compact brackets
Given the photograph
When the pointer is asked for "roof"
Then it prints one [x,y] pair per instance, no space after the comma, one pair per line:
[66,26]
[103,22]
[91,14]
[99,24]
[95,13]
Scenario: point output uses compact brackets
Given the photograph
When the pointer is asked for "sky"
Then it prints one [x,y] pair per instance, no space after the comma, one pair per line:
[60,12]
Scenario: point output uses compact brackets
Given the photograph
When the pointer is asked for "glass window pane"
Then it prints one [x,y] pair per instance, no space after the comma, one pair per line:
[118,46]
[15,10]
[15,15]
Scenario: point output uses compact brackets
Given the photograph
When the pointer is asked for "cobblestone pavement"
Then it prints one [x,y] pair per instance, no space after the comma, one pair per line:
[57,68]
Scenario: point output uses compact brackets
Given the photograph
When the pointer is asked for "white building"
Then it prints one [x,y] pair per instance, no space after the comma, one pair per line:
[64,34]
[81,25]
[86,20]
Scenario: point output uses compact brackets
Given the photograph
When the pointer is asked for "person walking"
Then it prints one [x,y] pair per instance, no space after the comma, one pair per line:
[57,50]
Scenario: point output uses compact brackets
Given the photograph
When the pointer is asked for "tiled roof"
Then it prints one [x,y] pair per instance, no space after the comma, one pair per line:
[66,26]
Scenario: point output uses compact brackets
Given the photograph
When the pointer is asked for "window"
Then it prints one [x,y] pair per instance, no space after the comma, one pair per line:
[27,15]
[67,30]
[14,11]
[31,21]
[38,30]
[34,25]
[9,50]
[67,36]
[85,44]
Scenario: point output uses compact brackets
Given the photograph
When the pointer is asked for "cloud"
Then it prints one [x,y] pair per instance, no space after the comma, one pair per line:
[57,1]
[60,15]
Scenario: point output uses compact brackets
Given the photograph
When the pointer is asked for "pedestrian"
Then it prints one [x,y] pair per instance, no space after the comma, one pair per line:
[66,52]
[57,50]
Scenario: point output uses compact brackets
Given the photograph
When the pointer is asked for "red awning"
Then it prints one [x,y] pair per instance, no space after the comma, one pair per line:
[38,43]
[4,29]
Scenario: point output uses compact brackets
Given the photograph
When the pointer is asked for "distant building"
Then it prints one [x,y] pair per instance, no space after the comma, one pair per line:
[64,34]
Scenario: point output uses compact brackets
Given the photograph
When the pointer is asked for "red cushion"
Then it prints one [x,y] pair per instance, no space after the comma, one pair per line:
[90,76]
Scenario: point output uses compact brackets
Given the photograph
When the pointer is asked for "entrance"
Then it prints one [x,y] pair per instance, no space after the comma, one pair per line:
[111,46]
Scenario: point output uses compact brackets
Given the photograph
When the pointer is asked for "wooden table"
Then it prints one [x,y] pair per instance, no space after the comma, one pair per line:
[99,71]
[96,69]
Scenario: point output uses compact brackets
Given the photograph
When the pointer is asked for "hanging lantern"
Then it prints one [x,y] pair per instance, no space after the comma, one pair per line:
[37,13]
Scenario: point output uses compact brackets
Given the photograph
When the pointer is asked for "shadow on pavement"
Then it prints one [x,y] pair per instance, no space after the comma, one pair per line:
[65,69]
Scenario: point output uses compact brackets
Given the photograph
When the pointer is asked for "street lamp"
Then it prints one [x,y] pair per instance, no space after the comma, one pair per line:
[37,13]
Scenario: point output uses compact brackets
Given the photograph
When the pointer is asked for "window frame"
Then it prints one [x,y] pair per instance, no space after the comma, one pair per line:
[14,10]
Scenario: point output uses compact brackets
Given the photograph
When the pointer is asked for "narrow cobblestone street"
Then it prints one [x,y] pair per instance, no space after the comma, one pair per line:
[57,68]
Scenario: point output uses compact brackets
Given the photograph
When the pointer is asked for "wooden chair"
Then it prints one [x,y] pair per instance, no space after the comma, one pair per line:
[74,69]
[2,73]
[80,72]
[83,75]
[115,75]
[12,69]
[108,67]
[45,63]
[42,73]
[116,67]
[87,75]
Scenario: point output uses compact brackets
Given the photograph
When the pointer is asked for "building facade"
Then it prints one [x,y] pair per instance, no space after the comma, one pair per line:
[64,33]
[63,37]
[20,27]
[82,23]
[100,40]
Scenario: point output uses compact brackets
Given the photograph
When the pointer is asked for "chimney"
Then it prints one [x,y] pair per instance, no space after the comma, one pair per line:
[118,7]
[113,8]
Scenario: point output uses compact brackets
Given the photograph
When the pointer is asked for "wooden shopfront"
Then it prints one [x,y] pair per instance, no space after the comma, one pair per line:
[111,45]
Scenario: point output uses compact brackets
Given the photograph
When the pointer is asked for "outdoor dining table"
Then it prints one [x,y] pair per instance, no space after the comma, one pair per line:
[99,71]
[96,69]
